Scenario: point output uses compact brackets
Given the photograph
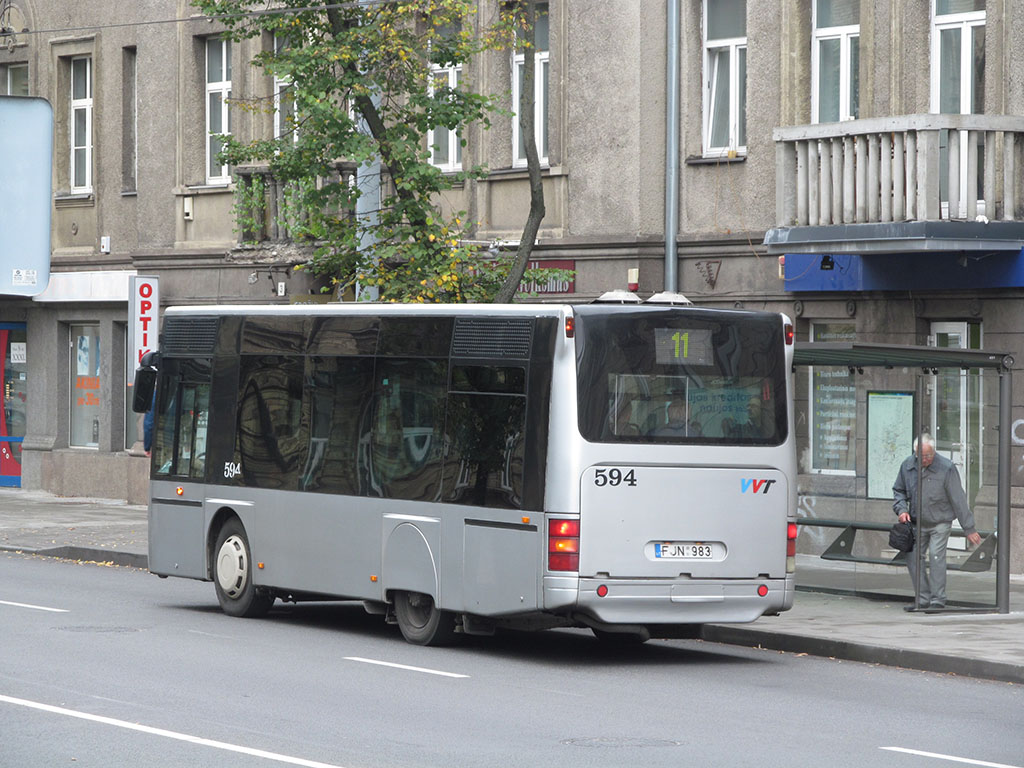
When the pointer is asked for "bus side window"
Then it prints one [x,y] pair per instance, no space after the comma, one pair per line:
[404,435]
[338,390]
[272,435]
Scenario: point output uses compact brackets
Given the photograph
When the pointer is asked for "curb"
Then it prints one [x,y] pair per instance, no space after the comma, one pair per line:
[865,653]
[89,554]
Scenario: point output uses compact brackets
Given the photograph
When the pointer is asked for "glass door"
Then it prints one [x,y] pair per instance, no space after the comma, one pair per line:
[956,407]
[14,375]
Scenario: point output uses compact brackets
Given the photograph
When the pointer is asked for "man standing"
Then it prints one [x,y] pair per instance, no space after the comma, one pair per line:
[943,499]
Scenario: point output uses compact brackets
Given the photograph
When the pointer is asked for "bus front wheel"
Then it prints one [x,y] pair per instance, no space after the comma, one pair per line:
[232,574]
[421,621]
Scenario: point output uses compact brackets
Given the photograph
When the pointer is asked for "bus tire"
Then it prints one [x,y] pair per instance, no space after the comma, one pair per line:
[232,574]
[421,621]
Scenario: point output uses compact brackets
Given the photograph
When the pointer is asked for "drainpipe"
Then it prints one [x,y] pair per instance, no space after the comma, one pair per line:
[671,144]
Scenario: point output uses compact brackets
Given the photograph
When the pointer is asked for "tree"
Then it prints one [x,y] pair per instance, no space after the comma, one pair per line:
[360,81]
[527,25]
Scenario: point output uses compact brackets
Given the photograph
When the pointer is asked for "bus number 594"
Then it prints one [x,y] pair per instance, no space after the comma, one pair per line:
[613,477]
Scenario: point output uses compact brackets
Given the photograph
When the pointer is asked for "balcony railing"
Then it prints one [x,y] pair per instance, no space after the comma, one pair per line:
[263,211]
[902,168]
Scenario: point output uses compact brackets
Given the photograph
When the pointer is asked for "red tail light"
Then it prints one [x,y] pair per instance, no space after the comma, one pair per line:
[563,545]
[788,330]
[791,532]
[570,327]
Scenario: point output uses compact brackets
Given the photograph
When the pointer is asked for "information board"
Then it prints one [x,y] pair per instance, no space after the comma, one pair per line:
[890,439]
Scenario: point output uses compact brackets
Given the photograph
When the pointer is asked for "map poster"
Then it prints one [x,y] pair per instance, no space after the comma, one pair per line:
[890,439]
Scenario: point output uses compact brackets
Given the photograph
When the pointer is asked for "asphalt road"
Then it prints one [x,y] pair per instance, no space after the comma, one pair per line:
[103,666]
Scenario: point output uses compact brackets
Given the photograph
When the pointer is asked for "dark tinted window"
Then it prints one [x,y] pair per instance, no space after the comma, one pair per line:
[339,391]
[280,335]
[681,376]
[487,434]
[351,335]
[273,427]
[404,432]
[415,336]
[486,429]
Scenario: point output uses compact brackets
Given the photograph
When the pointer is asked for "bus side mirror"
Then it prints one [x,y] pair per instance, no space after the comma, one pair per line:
[145,385]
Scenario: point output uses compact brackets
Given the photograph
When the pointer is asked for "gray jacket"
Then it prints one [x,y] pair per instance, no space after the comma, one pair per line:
[944,497]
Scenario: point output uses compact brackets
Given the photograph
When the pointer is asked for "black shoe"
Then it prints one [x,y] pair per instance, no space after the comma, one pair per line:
[912,608]
[935,607]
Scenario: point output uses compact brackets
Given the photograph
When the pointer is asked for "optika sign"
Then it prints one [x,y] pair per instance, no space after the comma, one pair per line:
[143,320]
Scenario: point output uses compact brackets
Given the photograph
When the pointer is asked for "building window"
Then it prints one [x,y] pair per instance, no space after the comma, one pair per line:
[958,88]
[218,115]
[446,144]
[81,125]
[14,80]
[541,57]
[129,120]
[85,386]
[725,77]
[835,74]
[833,407]
[285,114]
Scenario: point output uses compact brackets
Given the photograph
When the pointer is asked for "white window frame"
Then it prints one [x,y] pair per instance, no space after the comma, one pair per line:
[542,63]
[965,22]
[452,75]
[8,79]
[845,35]
[222,87]
[282,84]
[81,105]
[733,45]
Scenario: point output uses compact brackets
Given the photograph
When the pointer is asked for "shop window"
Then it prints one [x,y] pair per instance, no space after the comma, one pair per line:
[85,386]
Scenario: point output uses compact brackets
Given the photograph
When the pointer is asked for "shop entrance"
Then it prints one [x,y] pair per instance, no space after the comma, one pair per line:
[14,375]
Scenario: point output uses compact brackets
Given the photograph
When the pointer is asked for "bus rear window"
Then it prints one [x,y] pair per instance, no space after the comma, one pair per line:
[680,376]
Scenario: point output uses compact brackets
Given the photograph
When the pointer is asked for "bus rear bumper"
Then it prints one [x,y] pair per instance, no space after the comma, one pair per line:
[644,602]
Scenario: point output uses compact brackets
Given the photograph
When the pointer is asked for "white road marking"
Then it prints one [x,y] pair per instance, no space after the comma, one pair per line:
[166,734]
[404,666]
[35,607]
[951,758]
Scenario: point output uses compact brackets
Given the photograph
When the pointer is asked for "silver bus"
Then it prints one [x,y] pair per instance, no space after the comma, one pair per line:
[461,468]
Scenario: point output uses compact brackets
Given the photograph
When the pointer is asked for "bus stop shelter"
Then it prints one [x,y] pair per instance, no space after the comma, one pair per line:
[919,385]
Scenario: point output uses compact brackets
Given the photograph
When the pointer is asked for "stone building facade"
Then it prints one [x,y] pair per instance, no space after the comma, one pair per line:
[873,144]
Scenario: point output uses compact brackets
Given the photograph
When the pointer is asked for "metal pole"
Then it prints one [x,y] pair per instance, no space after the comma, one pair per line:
[671,144]
[916,506]
[1003,491]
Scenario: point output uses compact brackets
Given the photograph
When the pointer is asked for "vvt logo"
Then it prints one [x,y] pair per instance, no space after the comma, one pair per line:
[755,486]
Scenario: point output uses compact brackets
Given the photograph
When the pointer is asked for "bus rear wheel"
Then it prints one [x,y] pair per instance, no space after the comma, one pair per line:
[421,621]
[232,574]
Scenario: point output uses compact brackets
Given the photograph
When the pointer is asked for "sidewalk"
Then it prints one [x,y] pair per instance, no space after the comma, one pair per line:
[983,645]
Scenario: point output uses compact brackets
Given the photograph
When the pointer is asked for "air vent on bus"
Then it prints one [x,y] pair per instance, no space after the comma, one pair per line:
[618,296]
[669,297]
[189,335]
[492,337]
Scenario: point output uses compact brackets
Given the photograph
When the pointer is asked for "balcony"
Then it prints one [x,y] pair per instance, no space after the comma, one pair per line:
[265,206]
[880,187]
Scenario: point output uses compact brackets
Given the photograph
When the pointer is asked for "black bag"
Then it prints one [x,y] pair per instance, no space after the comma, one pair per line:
[901,537]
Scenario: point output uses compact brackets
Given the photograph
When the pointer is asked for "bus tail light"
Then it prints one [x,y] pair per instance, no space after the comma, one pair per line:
[788,331]
[791,532]
[570,327]
[563,545]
